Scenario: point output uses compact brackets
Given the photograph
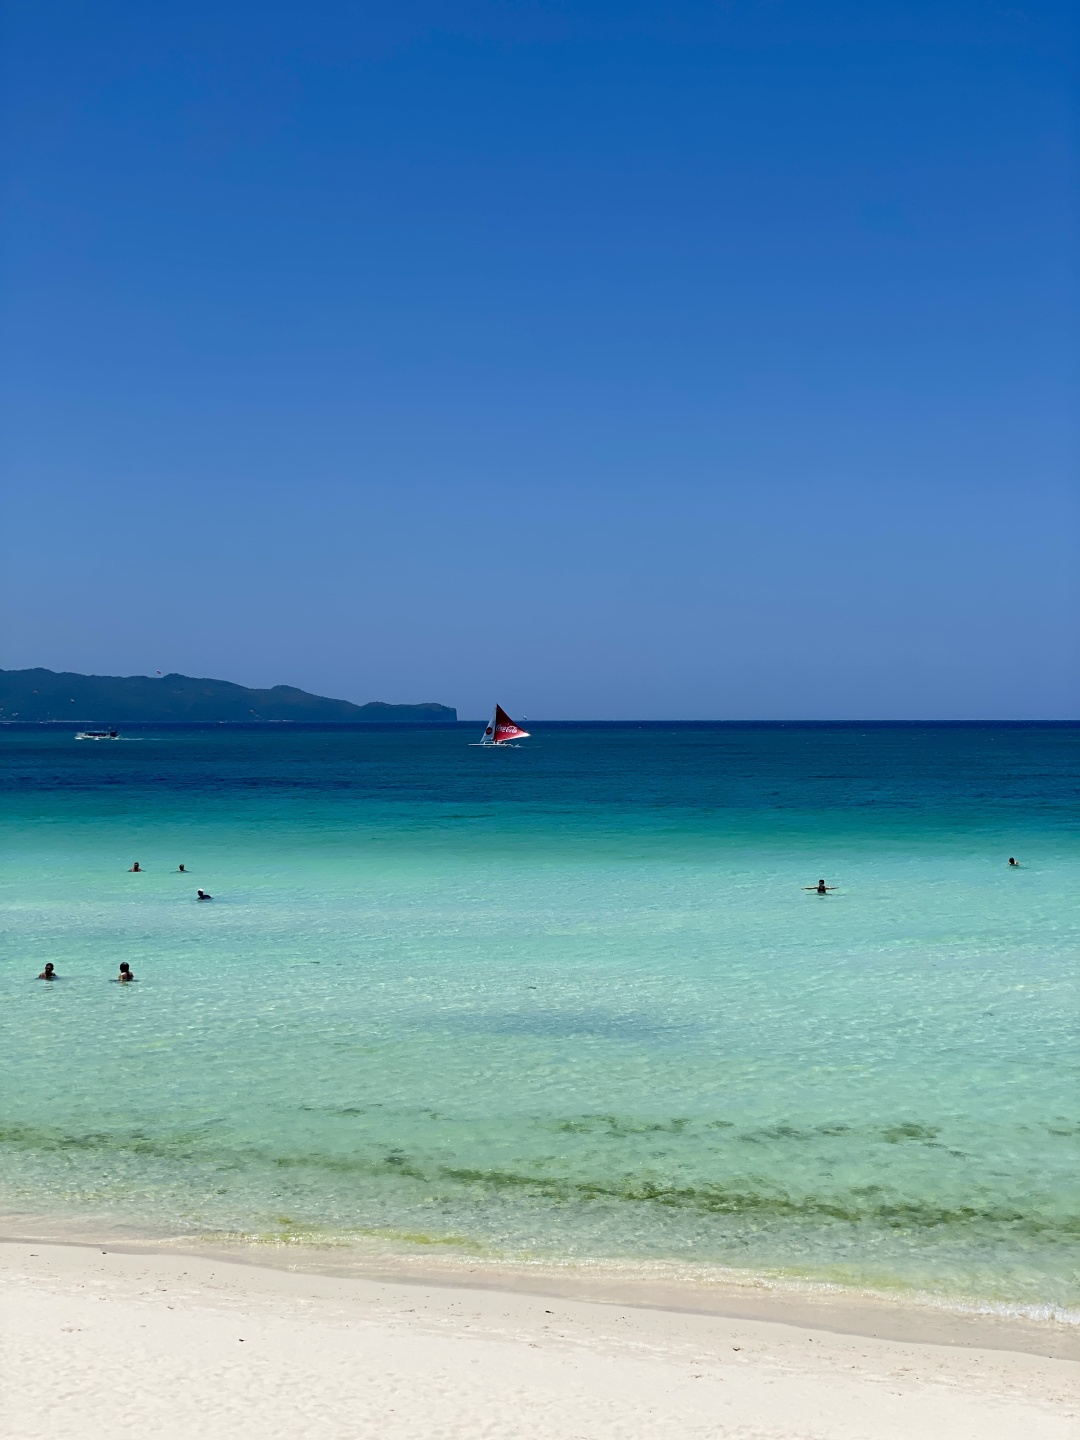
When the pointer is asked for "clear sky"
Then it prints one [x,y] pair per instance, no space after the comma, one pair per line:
[668,359]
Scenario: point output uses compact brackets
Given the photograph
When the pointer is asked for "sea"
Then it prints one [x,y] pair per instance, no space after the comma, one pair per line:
[566,1003]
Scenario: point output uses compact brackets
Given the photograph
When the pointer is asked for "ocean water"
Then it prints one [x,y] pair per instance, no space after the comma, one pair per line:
[564,1002]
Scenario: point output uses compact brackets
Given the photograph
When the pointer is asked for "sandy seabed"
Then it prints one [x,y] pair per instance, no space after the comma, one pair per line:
[97,1343]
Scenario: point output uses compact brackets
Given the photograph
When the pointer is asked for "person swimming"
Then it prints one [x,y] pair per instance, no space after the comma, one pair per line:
[1015,862]
[125,976]
[49,973]
[202,895]
[180,870]
[136,869]
[820,888]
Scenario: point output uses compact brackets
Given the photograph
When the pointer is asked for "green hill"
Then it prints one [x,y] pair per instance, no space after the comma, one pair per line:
[43,695]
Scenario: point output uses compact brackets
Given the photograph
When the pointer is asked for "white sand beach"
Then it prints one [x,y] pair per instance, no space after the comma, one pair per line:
[99,1343]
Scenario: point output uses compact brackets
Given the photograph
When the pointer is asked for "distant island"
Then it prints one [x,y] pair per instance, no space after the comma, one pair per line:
[48,695]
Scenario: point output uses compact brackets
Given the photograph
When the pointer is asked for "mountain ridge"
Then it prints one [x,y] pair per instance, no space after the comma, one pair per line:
[47,696]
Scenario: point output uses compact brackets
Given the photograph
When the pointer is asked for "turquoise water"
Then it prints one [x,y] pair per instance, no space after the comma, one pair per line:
[565,1001]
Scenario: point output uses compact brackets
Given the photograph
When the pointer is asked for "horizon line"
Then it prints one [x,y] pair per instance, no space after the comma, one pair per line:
[480,720]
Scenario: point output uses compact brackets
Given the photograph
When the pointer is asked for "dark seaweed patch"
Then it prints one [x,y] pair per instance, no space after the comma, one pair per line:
[751,1197]
[897,1134]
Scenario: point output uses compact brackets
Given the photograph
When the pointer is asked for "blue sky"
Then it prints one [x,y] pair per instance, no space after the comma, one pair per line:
[657,360]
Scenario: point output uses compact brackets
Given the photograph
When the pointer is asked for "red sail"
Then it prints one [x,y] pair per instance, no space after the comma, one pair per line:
[505,729]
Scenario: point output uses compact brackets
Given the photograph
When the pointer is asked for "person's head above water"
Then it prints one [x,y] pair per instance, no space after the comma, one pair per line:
[202,895]
[180,868]
[125,971]
[49,973]
[1012,860]
[134,868]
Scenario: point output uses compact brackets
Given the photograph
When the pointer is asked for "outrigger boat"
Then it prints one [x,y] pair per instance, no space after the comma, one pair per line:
[502,730]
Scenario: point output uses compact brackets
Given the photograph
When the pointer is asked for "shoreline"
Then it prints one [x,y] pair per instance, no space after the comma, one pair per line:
[106,1341]
[712,1291]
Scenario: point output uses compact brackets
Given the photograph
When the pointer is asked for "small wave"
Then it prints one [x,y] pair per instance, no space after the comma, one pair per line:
[1003,1309]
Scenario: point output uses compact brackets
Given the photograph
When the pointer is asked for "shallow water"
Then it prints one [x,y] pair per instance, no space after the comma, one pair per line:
[565,1001]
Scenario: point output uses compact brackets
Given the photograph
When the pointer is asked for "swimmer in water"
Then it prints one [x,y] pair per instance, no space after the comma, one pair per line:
[125,977]
[820,888]
[202,895]
[48,973]
[1016,863]
[135,869]
[180,870]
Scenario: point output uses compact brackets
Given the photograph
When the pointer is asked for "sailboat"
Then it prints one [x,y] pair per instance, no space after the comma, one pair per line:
[501,729]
